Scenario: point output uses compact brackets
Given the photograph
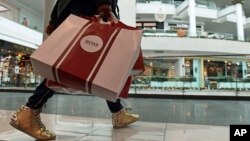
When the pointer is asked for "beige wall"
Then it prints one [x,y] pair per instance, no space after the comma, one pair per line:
[11,14]
[128,11]
[49,4]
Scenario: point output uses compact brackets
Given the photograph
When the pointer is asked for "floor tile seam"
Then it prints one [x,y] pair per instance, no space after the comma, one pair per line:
[165,133]
[7,132]
[90,133]
[78,138]
[74,132]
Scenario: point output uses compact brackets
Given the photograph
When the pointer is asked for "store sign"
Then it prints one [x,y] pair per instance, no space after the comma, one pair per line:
[160,16]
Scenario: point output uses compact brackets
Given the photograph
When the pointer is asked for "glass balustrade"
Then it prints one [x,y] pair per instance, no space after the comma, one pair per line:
[205,4]
[219,75]
[184,33]
[199,3]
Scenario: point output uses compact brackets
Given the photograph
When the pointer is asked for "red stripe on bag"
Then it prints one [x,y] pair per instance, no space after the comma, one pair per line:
[101,61]
[66,50]
[80,64]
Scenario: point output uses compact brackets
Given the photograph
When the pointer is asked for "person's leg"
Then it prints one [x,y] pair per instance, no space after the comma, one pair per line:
[120,117]
[115,106]
[40,96]
[27,118]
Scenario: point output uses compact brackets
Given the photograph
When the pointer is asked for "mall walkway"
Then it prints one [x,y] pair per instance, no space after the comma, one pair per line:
[79,118]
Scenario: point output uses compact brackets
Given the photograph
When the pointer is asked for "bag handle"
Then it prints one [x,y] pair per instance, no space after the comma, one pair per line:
[113,22]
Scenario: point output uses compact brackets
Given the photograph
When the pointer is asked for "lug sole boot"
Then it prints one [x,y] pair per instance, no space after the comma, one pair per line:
[29,121]
[122,118]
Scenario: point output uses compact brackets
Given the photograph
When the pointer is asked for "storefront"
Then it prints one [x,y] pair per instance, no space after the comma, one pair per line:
[15,66]
[197,72]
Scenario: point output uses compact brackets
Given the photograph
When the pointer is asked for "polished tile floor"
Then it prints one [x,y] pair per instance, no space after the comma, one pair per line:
[86,118]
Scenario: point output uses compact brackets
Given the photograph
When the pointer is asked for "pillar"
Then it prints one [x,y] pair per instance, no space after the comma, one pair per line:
[240,24]
[192,18]
[128,15]
[181,72]
[166,26]
[244,70]
[240,31]
[198,72]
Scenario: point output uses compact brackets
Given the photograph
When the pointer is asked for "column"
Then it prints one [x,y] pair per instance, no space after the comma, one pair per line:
[128,15]
[166,27]
[198,72]
[192,18]
[48,6]
[202,78]
[181,70]
[240,29]
[240,34]
[244,70]
[240,25]
[1,69]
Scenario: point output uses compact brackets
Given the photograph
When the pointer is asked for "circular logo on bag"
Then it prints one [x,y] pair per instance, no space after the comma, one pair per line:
[91,43]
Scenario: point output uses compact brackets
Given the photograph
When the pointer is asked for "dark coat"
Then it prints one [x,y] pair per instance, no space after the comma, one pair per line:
[64,8]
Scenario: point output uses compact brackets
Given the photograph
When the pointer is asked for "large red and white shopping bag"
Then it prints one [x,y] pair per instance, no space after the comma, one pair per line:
[137,70]
[63,89]
[86,55]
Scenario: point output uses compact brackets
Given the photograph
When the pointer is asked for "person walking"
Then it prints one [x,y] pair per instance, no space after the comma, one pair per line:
[27,118]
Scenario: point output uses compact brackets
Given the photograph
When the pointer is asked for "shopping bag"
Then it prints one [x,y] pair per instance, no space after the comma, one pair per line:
[86,55]
[125,90]
[138,68]
[63,89]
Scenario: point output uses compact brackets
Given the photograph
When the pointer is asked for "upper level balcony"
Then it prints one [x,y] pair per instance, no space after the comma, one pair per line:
[16,33]
[172,43]
[205,10]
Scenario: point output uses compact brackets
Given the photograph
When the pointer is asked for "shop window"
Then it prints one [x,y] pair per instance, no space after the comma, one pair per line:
[146,25]
[222,69]
[15,66]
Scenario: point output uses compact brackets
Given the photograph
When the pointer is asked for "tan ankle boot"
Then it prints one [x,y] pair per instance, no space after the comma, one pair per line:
[123,118]
[29,121]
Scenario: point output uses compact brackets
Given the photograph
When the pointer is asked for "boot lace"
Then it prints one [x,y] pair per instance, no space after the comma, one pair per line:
[38,119]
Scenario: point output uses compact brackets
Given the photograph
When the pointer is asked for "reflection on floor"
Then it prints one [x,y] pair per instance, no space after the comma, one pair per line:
[69,128]
[79,118]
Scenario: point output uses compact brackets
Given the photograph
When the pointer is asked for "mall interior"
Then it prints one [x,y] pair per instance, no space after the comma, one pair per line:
[196,82]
